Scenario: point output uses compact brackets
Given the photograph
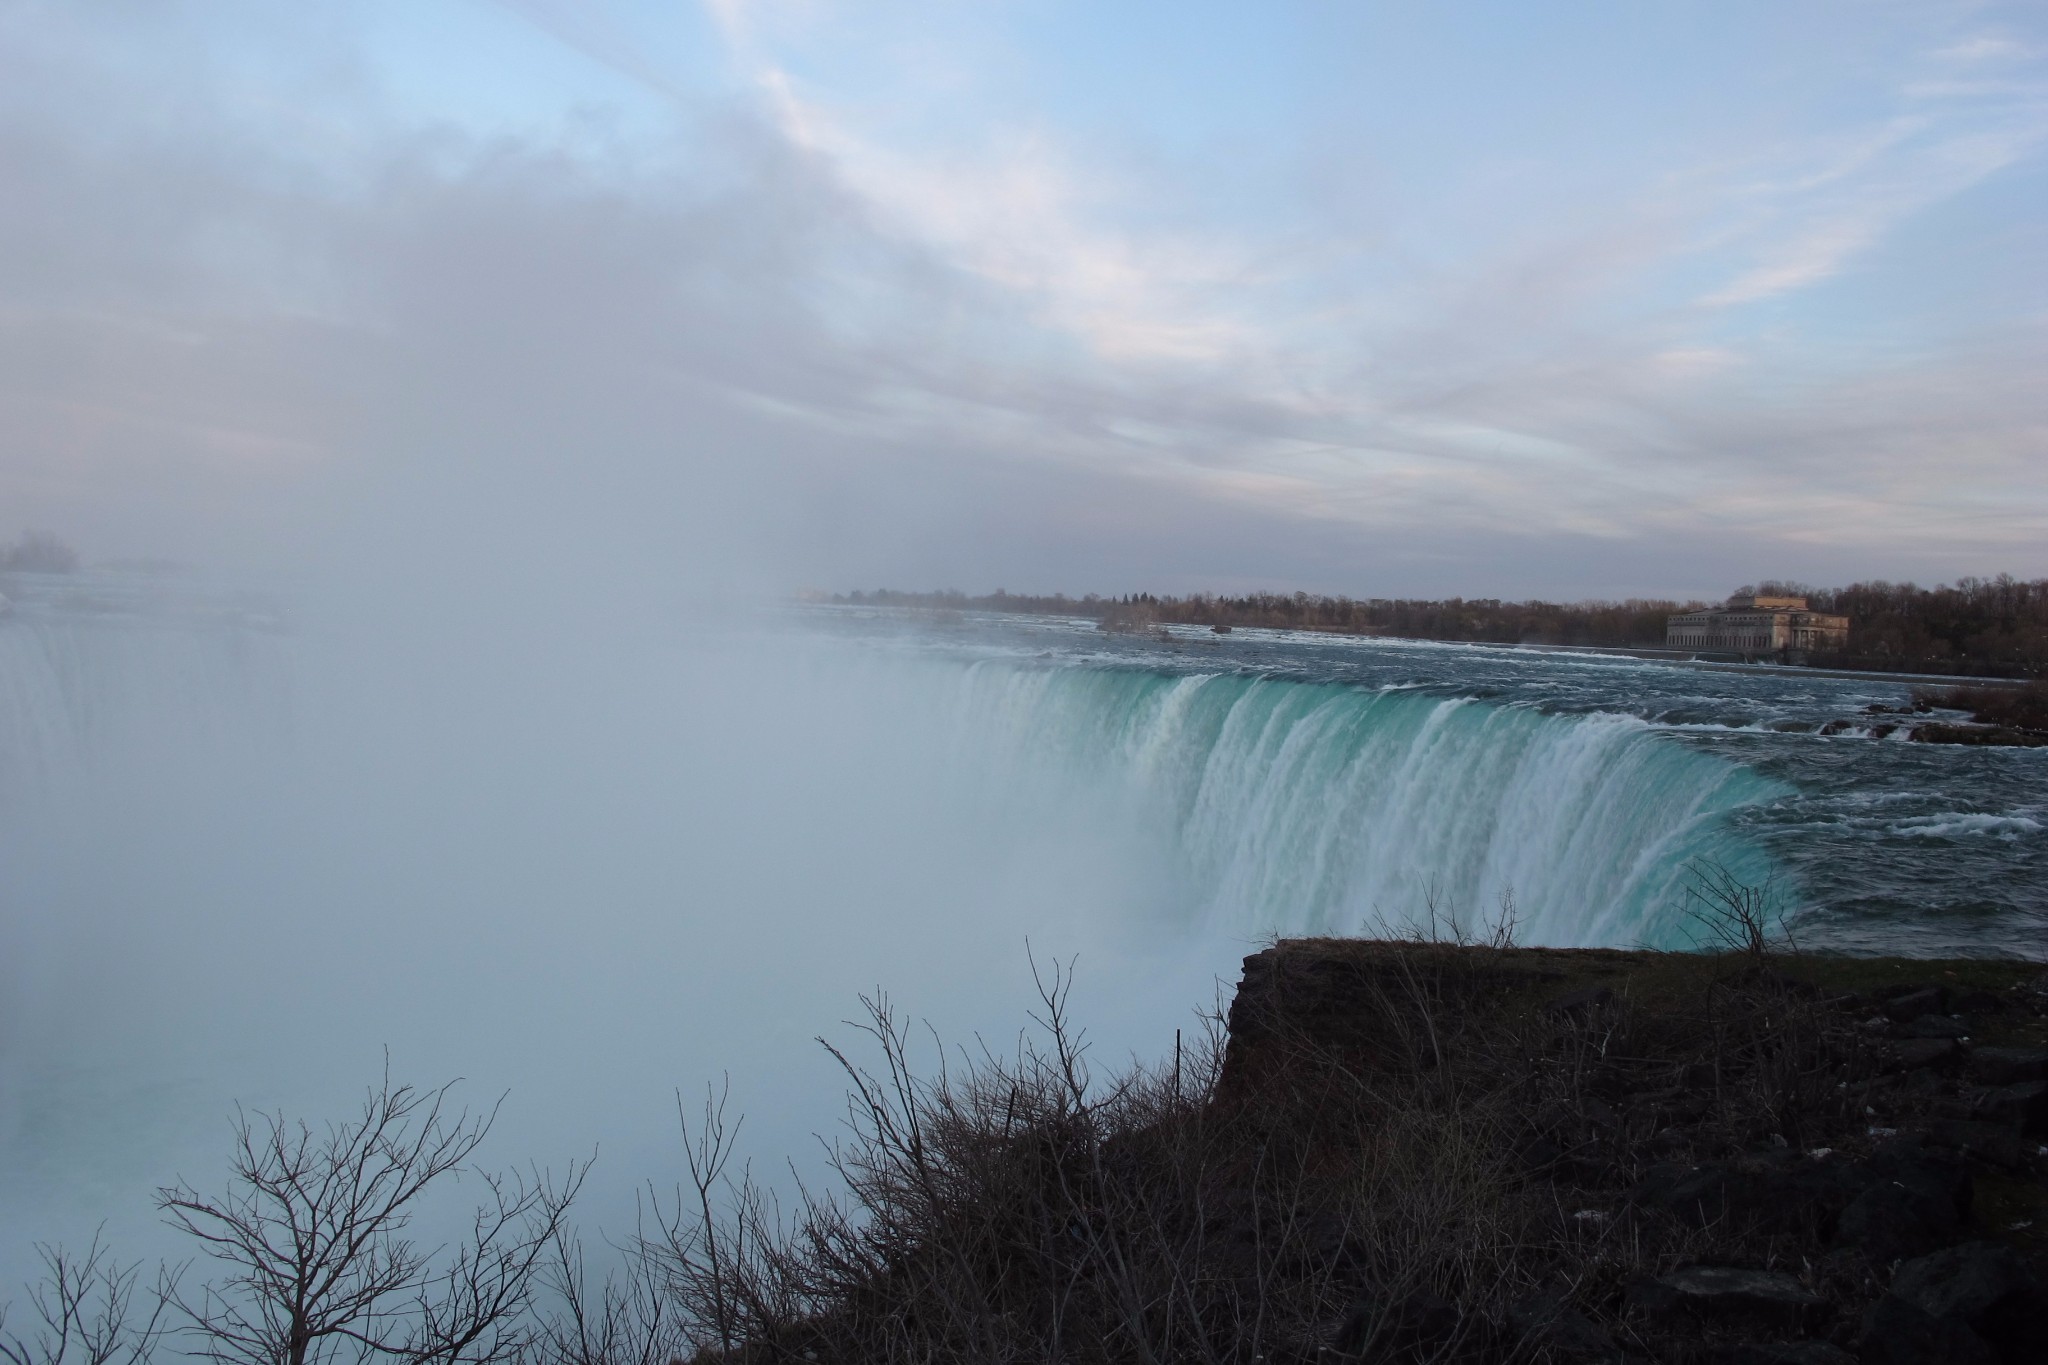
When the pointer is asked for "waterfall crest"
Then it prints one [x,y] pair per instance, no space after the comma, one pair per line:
[1300,807]
[1282,805]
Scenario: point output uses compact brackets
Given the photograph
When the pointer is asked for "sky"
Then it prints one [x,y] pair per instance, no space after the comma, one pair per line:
[1580,299]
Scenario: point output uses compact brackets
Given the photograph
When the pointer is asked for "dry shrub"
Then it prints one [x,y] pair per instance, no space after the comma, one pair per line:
[1410,1145]
[1022,1208]
[2024,708]
[1415,1151]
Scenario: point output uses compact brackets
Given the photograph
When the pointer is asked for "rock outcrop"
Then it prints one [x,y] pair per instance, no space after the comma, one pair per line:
[1797,1159]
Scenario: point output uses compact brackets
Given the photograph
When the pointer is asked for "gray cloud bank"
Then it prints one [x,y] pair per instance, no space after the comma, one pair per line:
[241,329]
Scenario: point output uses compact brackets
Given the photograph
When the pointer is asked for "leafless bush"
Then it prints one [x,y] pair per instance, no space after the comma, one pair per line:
[627,1318]
[313,1236]
[86,1312]
[718,1255]
[1025,1206]
[2025,707]
[1414,1141]
[1733,916]
[1445,924]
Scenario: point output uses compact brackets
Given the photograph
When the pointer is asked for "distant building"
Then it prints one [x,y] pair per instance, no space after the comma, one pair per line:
[1754,625]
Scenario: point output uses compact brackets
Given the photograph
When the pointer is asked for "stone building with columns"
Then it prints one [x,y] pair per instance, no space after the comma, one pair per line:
[1754,625]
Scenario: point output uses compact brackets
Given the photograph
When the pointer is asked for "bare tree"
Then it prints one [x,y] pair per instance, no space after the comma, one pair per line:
[83,1313]
[39,552]
[313,1234]
[629,1318]
[1731,915]
[718,1249]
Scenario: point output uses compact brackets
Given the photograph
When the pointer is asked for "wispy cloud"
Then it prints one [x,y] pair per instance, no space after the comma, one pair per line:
[869,349]
[1947,136]
[1016,211]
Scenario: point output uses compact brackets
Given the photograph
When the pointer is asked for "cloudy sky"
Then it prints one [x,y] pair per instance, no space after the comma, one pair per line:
[1379,298]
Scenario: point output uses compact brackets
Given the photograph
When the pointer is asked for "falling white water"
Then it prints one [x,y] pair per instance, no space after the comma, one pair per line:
[1298,807]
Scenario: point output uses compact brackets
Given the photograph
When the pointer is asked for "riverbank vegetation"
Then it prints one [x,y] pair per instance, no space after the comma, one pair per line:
[2019,708]
[1430,1150]
[38,552]
[1985,627]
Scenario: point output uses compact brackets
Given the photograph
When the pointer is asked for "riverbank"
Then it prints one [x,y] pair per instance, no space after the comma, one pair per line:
[1691,659]
[1981,628]
[1401,1151]
[1381,1151]
[1735,1154]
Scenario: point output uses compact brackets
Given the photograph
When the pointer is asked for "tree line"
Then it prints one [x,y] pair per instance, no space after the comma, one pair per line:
[38,552]
[1988,627]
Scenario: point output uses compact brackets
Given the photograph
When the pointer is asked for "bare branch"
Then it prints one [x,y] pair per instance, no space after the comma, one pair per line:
[312,1239]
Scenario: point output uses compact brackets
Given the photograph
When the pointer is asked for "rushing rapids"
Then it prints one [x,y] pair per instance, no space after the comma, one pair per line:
[1590,785]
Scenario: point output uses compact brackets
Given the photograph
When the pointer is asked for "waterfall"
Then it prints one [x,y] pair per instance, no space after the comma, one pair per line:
[1280,805]
[1300,807]
[593,867]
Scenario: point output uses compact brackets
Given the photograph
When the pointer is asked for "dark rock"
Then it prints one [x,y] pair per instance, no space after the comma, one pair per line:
[1737,1285]
[1984,1285]
[1302,1008]
[1923,1083]
[1579,1004]
[1942,732]
[1548,1323]
[1934,1026]
[1782,1353]
[1914,1202]
[1897,1333]
[1697,1195]
[1976,1002]
[1903,1008]
[2023,1106]
[2008,1065]
[1963,1282]
[1914,1053]
[1661,1107]
[1671,1142]
[1730,1292]
[1775,1192]
[1991,1142]
[2017,1327]
[1654,1299]
[1418,1323]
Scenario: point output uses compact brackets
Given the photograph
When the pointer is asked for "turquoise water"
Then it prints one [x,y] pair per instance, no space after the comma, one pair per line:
[1305,807]
[1316,783]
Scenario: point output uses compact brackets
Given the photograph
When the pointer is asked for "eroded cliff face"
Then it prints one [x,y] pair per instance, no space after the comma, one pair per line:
[1694,1157]
[1380,1005]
